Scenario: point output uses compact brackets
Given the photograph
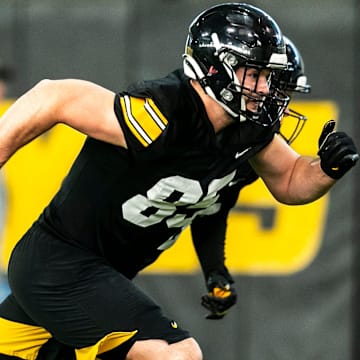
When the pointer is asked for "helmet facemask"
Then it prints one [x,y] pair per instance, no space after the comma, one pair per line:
[298,123]
[223,84]
[292,122]
[290,81]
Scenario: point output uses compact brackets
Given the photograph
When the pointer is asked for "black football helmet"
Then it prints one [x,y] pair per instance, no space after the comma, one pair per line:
[228,36]
[292,80]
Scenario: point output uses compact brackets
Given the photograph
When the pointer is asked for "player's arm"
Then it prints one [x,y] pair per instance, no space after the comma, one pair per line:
[295,179]
[208,235]
[79,104]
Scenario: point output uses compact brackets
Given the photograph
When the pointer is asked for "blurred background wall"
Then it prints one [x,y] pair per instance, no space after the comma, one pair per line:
[309,314]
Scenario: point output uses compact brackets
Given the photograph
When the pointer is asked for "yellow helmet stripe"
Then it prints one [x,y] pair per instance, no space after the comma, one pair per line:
[143,118]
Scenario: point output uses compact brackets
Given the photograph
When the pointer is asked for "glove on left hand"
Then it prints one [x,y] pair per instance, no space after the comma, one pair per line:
[337,151]
[220,298]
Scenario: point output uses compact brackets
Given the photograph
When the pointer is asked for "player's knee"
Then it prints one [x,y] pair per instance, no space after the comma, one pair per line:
[187,349]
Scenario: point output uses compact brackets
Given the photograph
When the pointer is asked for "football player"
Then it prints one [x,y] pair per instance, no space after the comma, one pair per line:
[156,157]
[208,232]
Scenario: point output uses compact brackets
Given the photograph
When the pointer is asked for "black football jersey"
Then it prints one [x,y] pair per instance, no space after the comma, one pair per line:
[129,205]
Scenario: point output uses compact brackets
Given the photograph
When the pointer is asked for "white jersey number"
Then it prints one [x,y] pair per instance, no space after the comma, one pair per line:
[176,200]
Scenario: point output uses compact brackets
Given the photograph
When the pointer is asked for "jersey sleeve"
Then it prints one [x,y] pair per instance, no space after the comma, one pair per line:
[140,119]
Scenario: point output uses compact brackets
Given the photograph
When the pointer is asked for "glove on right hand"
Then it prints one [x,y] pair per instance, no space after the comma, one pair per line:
[220,298]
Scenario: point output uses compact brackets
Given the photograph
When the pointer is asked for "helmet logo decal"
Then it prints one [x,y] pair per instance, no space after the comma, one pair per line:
[212,70]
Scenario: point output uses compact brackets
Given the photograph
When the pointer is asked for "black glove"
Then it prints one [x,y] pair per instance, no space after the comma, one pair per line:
[337,151]
[221,296]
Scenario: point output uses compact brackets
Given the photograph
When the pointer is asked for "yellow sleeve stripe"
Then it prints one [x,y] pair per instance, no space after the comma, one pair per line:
[143,118]
[156,114]
[132,123]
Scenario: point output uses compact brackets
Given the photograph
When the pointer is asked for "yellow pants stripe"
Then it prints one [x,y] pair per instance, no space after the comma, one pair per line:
[21,340]
[25,341]
[107,343]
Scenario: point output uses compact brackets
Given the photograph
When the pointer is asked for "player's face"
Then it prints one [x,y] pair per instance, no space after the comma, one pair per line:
[255,86]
